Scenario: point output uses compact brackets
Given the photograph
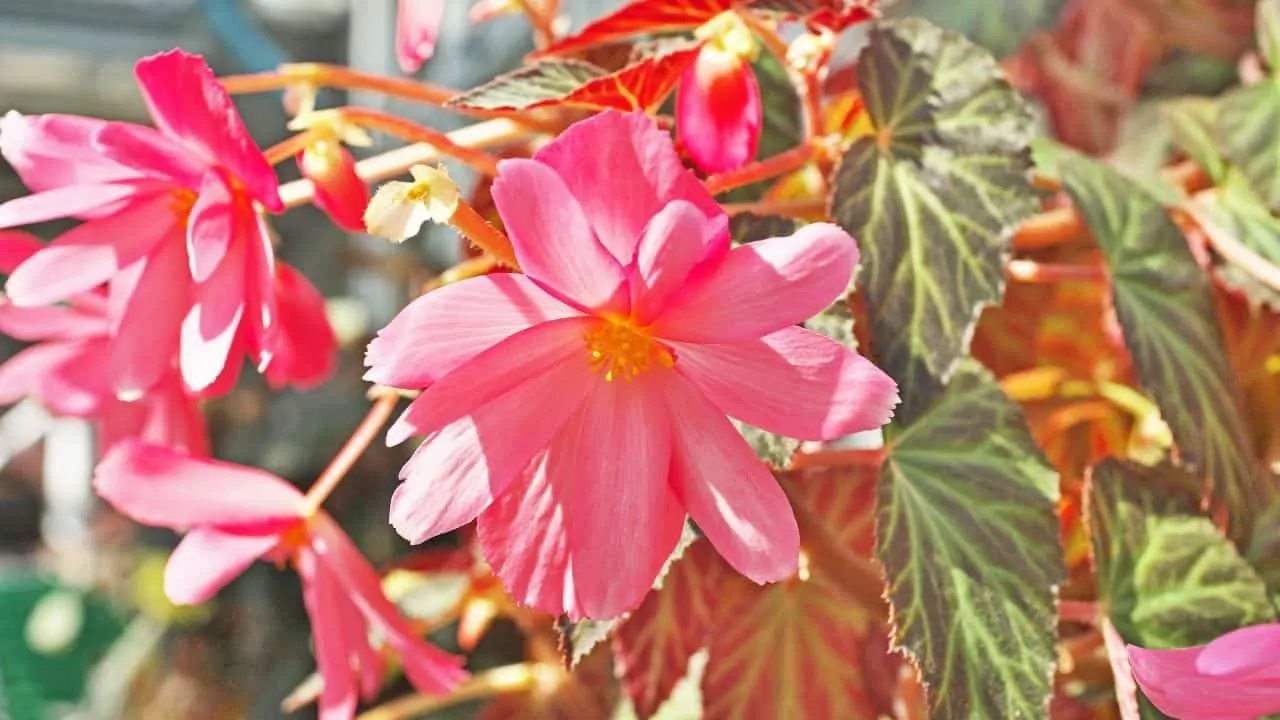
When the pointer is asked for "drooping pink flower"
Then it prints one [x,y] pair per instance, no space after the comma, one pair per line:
[66,368]
[718,108]
[417,27]
[1236,677]
[170,224]
[235,515]
[339,190]
[578,409]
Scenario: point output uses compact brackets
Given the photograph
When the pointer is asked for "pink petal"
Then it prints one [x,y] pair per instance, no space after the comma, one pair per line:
[339,190]
[211,227]
[207,559]
[147,151]
[78,385]
[417,26]
[52,151]
[428,339]
[606,493]
[793,382]
[431,670]
[15,247]
[22,373]
[165,416]
[674,242]
[158,486]
[64,202]
[210,326]
[262,311]
[622,188]
[189,104]
[323,597]
[763,287]
[459,471]
[1243,651]
[307,352]
[718,111]
[1170,681]
[145,347]
[728,491]
[521,358]
[54,322]
[89,254]
[552,240]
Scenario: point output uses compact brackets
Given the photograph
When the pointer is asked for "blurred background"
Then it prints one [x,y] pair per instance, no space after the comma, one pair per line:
[85,631]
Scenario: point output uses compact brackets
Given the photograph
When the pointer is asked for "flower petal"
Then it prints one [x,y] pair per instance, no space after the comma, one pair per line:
[15,247]
[675,242]
[793,382]
[188,103]
[459,471]
[207,559]
[417,26]
[552,239]
[211,226]
[158,486]
[148,151]
[763,287]
[339,190]
[209,329]
[728,491]
[620,189]
[718,111]
[1170,681]
[165,416]
[521,358]
[78,385]
[307,352]
[426,341]
[22,373]
[262,311]
[1242,651]
[322,595]
[53,322]
[53,151]
[64,202]
[89,254]
[145,347]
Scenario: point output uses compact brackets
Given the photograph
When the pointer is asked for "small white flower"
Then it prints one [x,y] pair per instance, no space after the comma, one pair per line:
[399,209]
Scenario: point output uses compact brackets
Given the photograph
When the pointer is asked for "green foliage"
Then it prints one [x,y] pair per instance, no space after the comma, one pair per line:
[1166,309]
[968,535]
[1001,26]
[933,195]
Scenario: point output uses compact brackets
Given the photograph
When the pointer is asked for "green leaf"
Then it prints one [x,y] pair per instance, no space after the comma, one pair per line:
[774,450]
[968,534]
[1192,121]
[749,227]
[1233,212]
[933,195]
[1246,132]
[1165,306]
[1166,576]
[1000,26]
[1268,23]
[531,85]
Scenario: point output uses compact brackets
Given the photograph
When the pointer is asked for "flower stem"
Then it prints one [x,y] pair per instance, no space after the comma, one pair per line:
[413,132]
[1081,611]
[492,133]
[785,208]
[1049,229]
[1030,271]
[489,683]
[468,221]
[289,147]
[339,77]
[780,164]
[351,451]
[469,268]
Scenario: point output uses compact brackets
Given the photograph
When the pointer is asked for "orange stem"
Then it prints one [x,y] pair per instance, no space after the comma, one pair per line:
[780,164]
[1031,271]
[468,221]
[768,36]
[469,268]
[351,451]
[1081,611]
[336,76]
[289,147]
[413,132]
[1049,229]
[543,29]
[837,457]
[785,208]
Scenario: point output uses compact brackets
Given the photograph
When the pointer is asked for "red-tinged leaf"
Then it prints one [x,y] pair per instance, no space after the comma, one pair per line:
[639,18]
[589,692]
[654,644]
[833,15]
[640,86]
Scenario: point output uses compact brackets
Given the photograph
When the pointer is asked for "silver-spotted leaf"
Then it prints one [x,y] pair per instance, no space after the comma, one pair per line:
[1165,306]
[1233,212]
[1246,132]
[968,535]
[1001,26]
[933,194]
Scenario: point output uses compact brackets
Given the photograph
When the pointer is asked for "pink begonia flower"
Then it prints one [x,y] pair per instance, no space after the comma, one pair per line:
[718,108]
[66,368]
[1236,677]
[170,224]
[235,515]
[340,192]
[417,27]
[578,409]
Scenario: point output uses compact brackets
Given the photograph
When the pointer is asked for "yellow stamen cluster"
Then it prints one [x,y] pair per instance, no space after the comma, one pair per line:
[181,200]
[619,349]
[726,34]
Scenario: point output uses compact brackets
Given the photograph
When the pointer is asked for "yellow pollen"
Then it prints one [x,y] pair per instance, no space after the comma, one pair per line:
[619,349]
[181,202]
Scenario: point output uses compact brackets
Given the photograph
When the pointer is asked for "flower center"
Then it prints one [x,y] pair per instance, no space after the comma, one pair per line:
[619,349]
[728,36]
[181,201]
